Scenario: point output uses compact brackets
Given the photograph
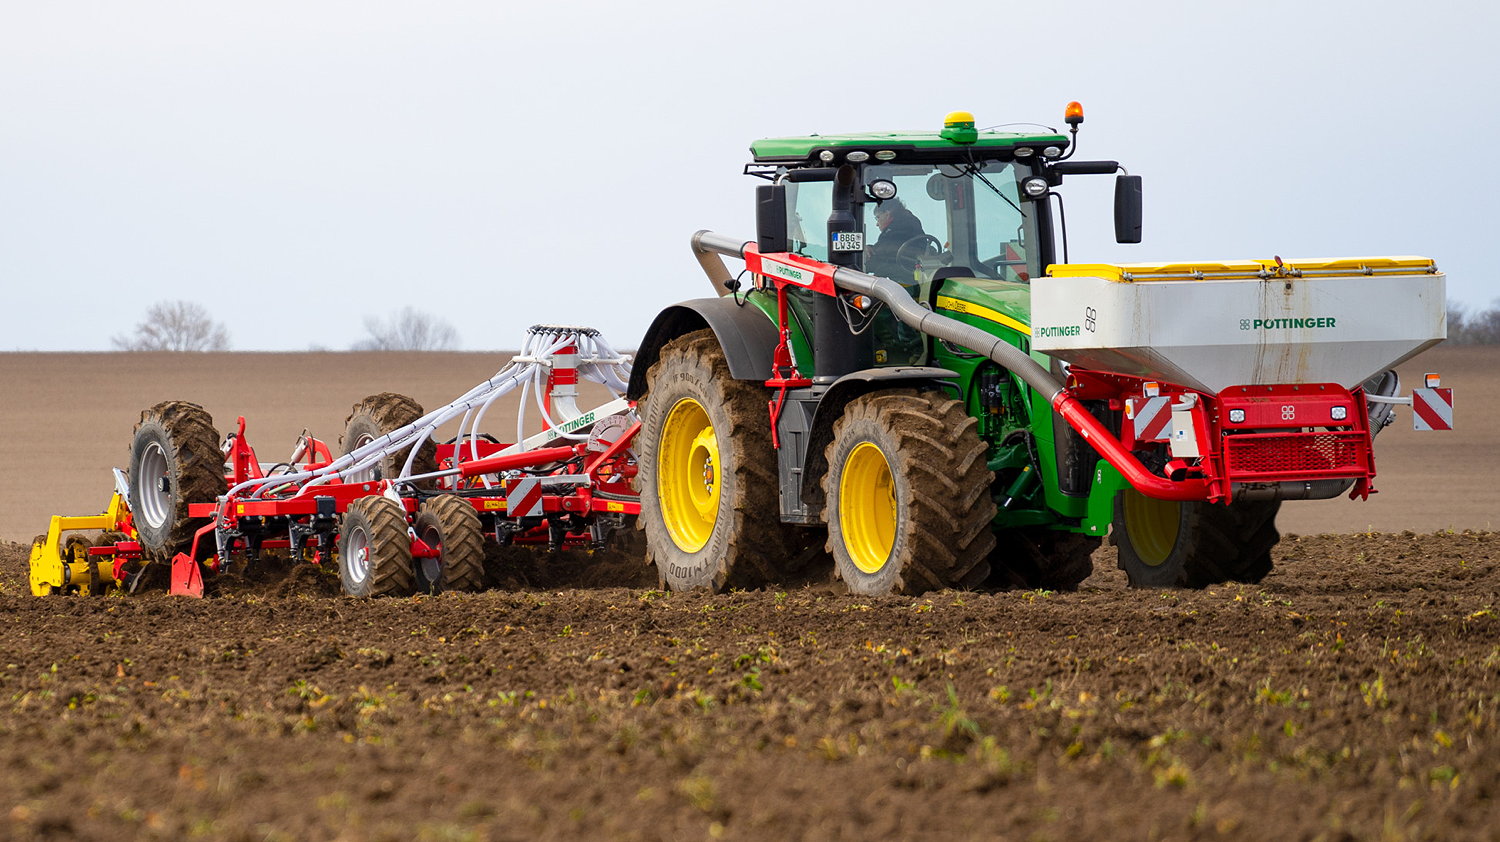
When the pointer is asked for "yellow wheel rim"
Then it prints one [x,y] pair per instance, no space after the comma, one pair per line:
[687,475]
[867,508]
[1152,525]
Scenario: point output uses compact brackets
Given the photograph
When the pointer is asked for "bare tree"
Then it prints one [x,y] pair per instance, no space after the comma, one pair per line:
[175,326]
[408,330]
[1473,328]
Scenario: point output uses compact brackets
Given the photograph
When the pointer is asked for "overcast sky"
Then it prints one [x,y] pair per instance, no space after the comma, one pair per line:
[299,166]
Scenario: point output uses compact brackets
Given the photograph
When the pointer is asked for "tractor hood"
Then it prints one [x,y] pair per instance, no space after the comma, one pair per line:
[1006,303]
[1213,325]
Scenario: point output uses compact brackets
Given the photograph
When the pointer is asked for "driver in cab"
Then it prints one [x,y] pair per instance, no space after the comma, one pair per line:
[895,343]
[898,226]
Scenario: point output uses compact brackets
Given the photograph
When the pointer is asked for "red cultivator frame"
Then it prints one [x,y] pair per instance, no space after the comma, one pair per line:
[397,512]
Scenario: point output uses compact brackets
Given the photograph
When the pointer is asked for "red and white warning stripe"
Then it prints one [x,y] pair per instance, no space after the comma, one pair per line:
[1152,418]
[523,497]
[1432,409]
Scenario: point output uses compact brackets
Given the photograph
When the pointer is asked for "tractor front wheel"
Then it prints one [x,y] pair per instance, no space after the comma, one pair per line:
[375,550]
[175,460]
[710,501]
[449,524]
[1166,544]
[908,491]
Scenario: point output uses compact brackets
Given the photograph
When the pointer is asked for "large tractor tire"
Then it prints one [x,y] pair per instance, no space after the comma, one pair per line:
[377,415]
[710,501]
[908,491]
[1035,558]
[449,524]
[375,550]
[174,460]
[1163,544]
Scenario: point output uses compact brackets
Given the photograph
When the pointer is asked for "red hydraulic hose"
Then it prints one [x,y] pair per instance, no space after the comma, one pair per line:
[1109,447]
[511,461]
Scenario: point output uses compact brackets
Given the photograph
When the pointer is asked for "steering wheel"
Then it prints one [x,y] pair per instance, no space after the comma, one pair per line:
[923,245]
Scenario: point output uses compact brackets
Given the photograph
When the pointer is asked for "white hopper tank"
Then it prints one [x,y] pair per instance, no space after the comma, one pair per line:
[1210,326]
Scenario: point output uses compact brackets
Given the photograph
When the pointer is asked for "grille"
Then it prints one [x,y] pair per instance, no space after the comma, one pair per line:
[1291,455]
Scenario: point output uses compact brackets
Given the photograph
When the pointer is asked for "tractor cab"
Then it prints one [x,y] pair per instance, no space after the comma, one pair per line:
[919,208]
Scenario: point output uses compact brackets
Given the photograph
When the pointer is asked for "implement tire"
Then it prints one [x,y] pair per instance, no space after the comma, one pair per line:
[449,523]
[374,549]
[710,498]
[174,460]
[377,415]
[1164,544]
[909,507]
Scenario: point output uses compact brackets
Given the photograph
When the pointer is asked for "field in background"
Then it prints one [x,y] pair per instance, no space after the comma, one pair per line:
[66,419]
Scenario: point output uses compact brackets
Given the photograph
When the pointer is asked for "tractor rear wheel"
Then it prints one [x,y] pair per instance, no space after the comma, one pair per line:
[710,499]
[377,415]
[1166,544]
[175,460]
[908,491]
[375,550]
[449,524]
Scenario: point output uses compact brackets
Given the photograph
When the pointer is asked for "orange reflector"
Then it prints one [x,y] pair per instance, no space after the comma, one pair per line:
[1073,114]
[1153,388]
[1433,380]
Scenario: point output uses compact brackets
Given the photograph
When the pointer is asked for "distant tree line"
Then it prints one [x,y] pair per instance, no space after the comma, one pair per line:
[1479,327]
[188,326]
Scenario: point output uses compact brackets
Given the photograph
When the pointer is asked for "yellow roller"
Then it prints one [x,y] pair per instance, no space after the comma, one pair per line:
[55,568]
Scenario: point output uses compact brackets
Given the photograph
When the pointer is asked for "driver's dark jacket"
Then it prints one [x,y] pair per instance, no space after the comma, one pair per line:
[895,343]
[880,256]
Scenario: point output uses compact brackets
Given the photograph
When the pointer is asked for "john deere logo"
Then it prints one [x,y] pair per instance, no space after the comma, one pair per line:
[1284,324]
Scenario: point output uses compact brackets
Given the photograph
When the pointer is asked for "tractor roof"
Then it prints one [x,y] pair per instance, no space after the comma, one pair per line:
[908,145]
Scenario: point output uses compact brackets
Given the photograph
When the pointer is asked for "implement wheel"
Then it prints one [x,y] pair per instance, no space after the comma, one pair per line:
[908,492]
[710,501]
[377,415]
[174,460]
[449,524]
[374,549]
[1165,544]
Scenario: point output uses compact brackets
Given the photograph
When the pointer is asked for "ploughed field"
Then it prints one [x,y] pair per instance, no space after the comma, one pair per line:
[1353,694]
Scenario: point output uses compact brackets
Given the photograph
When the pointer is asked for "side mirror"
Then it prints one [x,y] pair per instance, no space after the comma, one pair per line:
[1127,209]
[770,218]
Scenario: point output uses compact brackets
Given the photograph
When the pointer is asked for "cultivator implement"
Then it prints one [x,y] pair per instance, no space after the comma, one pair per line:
[398,511]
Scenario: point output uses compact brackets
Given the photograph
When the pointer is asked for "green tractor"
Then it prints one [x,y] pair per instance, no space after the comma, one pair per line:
[875,383]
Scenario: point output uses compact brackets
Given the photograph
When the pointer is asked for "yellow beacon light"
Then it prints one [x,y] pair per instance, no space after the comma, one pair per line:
[1073,114]
[958,127]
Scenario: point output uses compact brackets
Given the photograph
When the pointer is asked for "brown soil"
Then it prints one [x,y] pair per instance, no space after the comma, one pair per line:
[1352,695]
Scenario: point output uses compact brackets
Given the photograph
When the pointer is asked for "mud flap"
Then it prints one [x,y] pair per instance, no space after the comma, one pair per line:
[187,577]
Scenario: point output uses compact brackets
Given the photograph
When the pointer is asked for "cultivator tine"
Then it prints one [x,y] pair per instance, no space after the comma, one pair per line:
[187,577]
